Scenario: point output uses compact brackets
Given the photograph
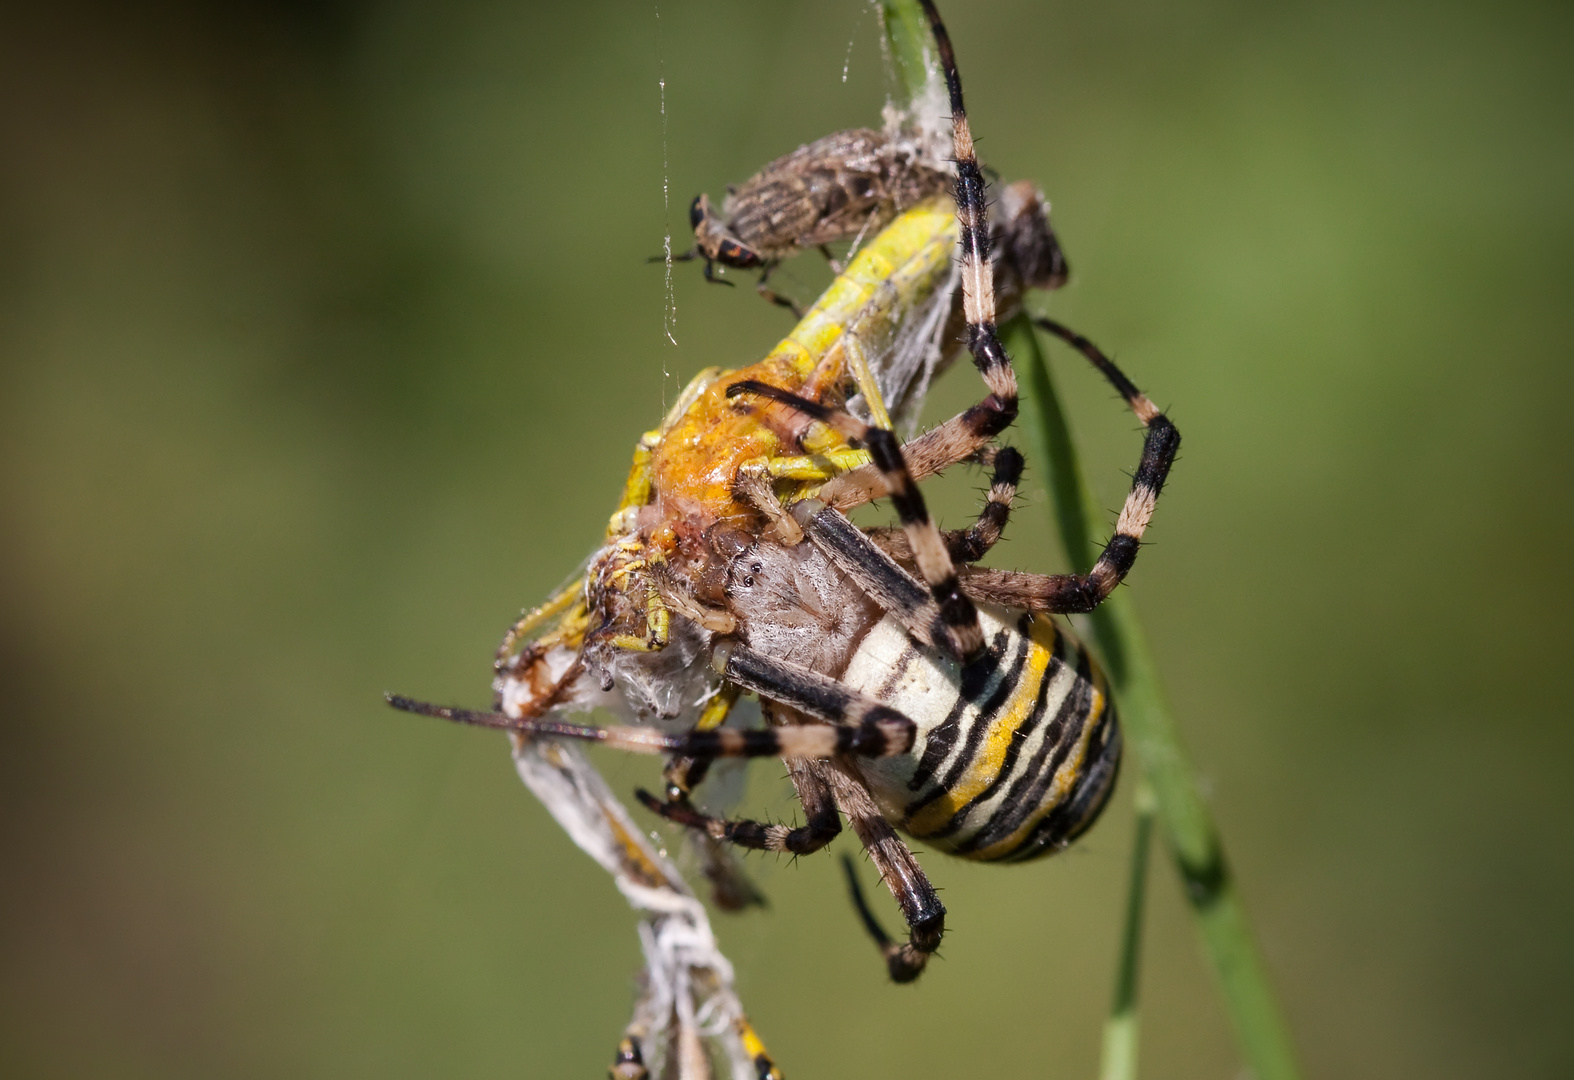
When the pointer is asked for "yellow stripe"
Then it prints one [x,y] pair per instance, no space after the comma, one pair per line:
[991,756]
[1070,770]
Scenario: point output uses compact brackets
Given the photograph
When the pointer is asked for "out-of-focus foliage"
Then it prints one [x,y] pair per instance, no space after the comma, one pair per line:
[326,334]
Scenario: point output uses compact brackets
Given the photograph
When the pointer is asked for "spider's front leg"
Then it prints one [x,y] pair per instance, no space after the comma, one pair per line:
[857,725]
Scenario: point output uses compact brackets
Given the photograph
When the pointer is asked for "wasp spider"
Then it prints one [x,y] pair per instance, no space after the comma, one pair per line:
[904,687]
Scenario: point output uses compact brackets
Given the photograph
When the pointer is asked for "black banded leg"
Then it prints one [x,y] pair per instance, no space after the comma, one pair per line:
[683,774]
[971,544]
[915,896]
[963,437]
[975,542]
[821,823]
[731,889]
[972,211]
[963,635]
[859,726]
[968,432]
[1078,592]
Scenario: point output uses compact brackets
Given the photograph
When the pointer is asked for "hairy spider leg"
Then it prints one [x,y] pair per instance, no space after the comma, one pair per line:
[973,543]
[856,724]
[1080,593]
[966,433]
[915,897]
[821,821]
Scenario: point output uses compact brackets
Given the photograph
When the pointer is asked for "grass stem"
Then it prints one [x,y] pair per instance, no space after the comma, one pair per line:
[1120,1030]
[1188,827]
[1168,785]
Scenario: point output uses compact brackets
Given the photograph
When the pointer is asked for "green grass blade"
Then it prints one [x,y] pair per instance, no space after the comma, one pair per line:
[1120,1030]
[1188,827]
[912,46]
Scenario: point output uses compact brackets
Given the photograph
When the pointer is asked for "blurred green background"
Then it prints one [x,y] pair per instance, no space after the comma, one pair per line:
[327,333]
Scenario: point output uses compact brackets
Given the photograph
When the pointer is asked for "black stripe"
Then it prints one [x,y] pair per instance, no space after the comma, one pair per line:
[868,738]
[905,497]
[974,237]
[938,744]
[955,608]
[1082,806]
[893,588]
[1019,739]
[989,417]
[747,834]
[947,57]
[1158,454]
[1009,464]
[709,744]
[978,725]
[988,354]
[1026,794]
[1093,788]
[906,501]
[1121,553]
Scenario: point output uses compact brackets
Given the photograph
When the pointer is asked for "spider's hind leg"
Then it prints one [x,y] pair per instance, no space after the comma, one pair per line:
[915,896]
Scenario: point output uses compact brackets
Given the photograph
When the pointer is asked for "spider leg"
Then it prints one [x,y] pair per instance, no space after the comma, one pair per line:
[968,432]
[859,725]
[973,543]
[958,439]
[821,824]
[959,629]
[1084,592]
[683,774]
[915,896]
[731,890]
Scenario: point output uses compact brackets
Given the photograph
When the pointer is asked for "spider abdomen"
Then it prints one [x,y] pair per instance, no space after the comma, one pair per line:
[1015,754]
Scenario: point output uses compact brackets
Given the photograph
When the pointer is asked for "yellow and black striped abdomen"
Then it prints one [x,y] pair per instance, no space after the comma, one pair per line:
[1016,754]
